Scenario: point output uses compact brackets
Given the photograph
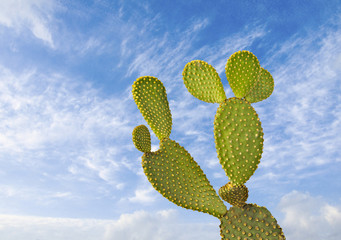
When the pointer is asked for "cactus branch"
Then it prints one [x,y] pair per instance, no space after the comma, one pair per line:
[151,99]
[203,82]
[174,173]
[141,138]
[239,139]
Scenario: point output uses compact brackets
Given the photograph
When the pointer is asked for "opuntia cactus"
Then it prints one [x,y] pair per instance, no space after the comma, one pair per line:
[236,195]
[238,138]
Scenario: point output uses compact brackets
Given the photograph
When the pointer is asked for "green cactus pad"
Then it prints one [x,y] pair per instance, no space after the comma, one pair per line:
[242,72]
[174,173]
[239,139]
[250,222]
[203,82]
[151,99]
[236,195]
[141,138]
[263,88]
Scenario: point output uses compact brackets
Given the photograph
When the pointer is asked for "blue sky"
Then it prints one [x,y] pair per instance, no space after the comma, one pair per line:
[68,167]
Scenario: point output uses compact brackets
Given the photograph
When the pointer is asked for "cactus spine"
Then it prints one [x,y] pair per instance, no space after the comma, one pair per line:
[238,138]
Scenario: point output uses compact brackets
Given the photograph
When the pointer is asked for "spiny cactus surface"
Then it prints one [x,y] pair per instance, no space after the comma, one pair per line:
[173,172]
[236,195]
[203,82]
[242,72]
[250,222]
[263,87]
[239,139]
[151,99]
[141,138]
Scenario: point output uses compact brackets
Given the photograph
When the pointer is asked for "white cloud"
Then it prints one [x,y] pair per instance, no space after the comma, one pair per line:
[33,228]
[305,217]
[332,215]
[28,14]
[309,217]
[164,225]
[161,225]
[146,195]
[54,130]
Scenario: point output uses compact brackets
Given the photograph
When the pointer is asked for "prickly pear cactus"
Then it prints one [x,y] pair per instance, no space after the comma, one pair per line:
[151,99]
[250,222]
[173,172]
[263,87]
[238,138]
[236,195]
[242,71]
[141,138]
[203,82]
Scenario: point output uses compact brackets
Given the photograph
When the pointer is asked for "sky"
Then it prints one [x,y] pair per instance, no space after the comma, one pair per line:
[68,166]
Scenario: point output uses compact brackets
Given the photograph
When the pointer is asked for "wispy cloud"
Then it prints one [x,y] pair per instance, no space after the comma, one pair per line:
[57,130]
[34,15]
[165,58]
[304,116]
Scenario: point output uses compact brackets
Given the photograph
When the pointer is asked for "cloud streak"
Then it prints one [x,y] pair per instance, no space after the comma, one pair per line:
[32,14]
[54,130]
[305,108]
